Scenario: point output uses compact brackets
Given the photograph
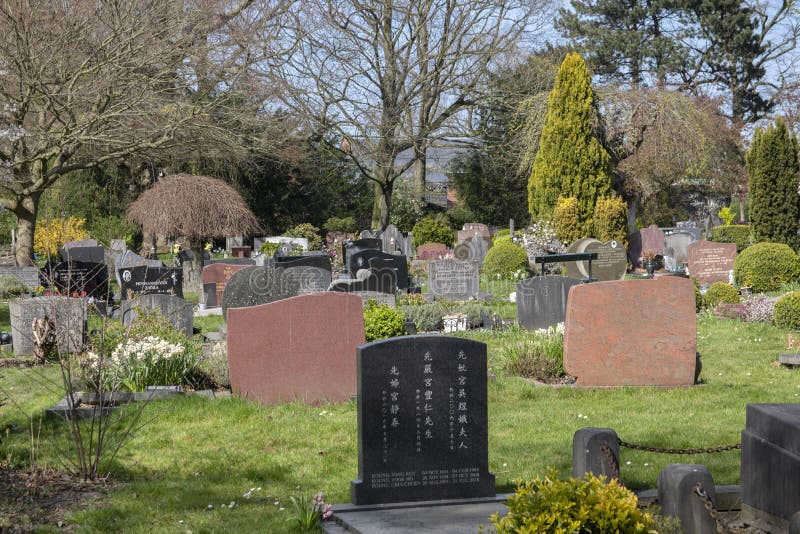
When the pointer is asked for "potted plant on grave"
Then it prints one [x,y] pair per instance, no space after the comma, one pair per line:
[649,261]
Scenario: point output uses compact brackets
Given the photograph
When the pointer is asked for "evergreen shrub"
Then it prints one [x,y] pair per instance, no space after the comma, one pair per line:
[381,322]
[720,292]
[567,219]
[787,311]
[611,220]
[505,259]
[765,266]
[733,233]
[430,230]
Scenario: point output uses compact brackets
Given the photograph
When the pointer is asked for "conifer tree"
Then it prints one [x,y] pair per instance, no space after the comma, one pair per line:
[772,170]
[570,161]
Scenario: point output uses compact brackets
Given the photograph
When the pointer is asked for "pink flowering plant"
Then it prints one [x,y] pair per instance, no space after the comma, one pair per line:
[307,516]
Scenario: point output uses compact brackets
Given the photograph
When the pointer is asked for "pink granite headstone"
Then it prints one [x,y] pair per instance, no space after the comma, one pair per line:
[632,333]
[652,239]
[301,348]
[711,262]
[431,251]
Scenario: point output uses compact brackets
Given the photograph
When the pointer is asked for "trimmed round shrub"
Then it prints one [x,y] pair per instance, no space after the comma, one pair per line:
[381,322]
[765,266]
[787,311]
[573,505]
[720,292]
[430,230]
[733,233]
[505,259]
[611,220]
[567,219]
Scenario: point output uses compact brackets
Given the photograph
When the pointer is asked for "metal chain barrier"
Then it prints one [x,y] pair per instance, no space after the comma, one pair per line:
[612,463]
[703,450]
[708,504]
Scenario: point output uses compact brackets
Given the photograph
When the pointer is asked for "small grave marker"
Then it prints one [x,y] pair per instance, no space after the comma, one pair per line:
[422,420]
[542,300]
[711,262]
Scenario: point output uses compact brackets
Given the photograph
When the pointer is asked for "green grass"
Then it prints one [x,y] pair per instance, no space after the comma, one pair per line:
[195,452]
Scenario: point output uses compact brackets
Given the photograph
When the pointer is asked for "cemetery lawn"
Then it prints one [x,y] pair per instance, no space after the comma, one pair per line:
[194,455]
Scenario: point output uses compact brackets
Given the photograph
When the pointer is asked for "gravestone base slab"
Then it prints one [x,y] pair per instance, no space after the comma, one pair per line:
[445,517]
[762,520]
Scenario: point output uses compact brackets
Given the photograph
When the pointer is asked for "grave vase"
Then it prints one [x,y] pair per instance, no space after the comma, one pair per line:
[650,267]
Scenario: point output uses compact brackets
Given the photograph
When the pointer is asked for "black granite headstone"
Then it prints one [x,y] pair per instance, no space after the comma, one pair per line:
[375,259]
[354,247]
[252,286]
[382,282]
[76,278]
[147,280]
[320,262]
[422,420]
[542,301]
[86,254]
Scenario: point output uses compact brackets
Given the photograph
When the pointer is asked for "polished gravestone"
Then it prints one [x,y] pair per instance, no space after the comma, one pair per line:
[611,262]
[178,311]
[679,241]
[473,248]
[320,262]
[542,300]
[258,285]
[392,262]
[309,279]
[711,262]
[422,420]
[219,274]
[76,278]
[431,251]
[146,280]
[354,247]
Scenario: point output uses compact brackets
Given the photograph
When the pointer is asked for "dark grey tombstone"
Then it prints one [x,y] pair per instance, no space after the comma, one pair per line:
[611,262]
[677,496]
[149,280]
[576,269]
[375,259]
[391,239]
[542,300]
[384,282]
[131,259]
[596,451]
[770,465]
[86,254]
[679,242]
[231,261]
[635,249]
[252,286]
[320,262]
[309,279]
[453,279]
[76,278]
[68,315]
[422,420]
[27,275]
[473,248]
[177,310]
[210,295]
[359,245]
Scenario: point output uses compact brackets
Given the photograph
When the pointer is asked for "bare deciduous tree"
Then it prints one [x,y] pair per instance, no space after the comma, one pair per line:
[83,83]
[390,76]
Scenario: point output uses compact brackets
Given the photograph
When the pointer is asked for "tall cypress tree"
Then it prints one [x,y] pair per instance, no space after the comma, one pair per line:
[570,161]
[772,170]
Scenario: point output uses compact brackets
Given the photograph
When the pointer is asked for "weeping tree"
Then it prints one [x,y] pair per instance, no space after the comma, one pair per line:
[197,207]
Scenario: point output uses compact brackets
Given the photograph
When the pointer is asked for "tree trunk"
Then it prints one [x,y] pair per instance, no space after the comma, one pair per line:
[420,174]
[385,204]
[26,210]
[192,270]
[633,207]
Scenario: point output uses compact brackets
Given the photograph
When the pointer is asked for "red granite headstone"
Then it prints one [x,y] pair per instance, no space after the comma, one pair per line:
[632,333]
[711,262]
[301,348]
[652,239]
[472,230]
[431,251]
[220,273]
